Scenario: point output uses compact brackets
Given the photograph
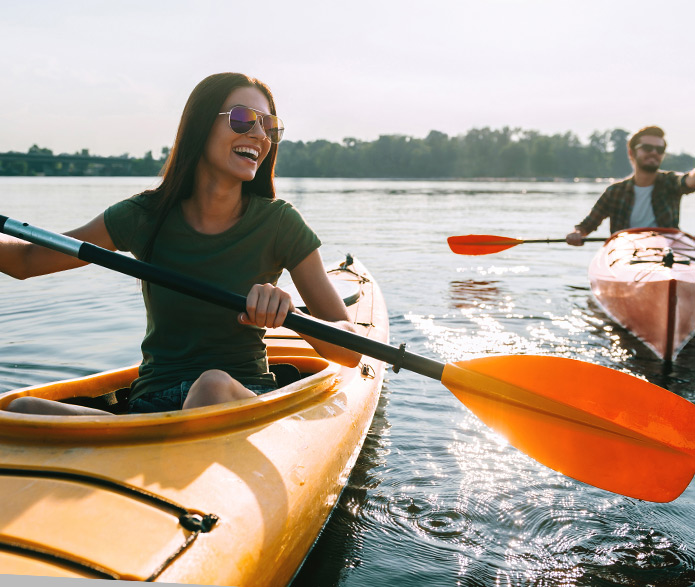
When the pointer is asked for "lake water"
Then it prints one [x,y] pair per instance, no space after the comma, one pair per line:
[436,498]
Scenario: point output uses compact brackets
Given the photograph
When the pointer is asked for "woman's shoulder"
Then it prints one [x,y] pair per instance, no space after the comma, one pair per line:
[275,208]
[129,217]
[274,204]
[142,202]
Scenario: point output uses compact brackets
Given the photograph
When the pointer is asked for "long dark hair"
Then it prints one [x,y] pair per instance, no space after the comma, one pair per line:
[199,114]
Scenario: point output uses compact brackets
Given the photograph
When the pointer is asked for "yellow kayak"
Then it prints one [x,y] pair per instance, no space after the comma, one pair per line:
[233,494]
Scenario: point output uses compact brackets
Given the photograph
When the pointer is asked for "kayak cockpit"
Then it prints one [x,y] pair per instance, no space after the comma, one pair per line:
[303,379]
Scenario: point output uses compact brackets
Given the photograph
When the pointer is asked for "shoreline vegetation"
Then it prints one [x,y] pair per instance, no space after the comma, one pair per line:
[478,154]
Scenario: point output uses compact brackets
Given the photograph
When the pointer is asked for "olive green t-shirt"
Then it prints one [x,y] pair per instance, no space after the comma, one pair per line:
[186,336]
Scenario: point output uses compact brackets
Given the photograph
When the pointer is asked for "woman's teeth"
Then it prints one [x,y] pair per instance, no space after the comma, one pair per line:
[247,152]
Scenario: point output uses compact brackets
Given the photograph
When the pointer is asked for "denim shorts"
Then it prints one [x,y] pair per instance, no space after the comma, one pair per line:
[172,398]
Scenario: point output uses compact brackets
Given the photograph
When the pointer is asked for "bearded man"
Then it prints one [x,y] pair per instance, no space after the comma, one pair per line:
[646,199]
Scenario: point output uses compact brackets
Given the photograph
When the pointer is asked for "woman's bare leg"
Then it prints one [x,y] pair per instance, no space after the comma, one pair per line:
[46,407]
[215,387]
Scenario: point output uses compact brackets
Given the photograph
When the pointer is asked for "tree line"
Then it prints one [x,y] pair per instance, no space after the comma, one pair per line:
[479,153]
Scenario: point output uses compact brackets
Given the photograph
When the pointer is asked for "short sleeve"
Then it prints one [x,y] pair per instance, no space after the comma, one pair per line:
[295,239]
[126,222]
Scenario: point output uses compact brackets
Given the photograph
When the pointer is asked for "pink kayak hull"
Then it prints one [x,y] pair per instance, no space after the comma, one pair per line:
[632,281]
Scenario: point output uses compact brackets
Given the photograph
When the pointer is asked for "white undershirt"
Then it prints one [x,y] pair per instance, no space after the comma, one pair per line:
[642,211]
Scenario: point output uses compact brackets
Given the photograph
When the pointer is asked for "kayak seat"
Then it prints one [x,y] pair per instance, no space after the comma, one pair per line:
[285,373]
[116,402]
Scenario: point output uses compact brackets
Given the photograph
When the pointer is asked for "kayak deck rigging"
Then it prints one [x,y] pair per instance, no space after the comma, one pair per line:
[192,521]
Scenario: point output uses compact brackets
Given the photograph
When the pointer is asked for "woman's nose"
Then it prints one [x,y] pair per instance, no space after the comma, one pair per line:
[257,129]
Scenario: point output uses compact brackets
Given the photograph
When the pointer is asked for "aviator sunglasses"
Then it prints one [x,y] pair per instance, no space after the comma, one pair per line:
[649,148]
[242,119]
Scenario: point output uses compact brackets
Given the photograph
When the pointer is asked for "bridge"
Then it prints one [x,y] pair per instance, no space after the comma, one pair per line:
[13,163]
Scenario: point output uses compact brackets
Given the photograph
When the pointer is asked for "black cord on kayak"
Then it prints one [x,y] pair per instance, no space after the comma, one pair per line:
[398,363]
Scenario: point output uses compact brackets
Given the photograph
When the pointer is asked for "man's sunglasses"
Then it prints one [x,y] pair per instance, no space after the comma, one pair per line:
[649,148]
[242,119]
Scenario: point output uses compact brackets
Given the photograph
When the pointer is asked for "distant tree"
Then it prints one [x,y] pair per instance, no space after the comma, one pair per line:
[543,157]
[681,162]
[597,153]
[36,150]
[620,162]
[514,160]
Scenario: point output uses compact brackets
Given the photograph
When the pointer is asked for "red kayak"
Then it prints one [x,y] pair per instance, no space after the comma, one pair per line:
[644,279]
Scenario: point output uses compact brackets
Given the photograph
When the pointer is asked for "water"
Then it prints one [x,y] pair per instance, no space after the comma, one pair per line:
[436,498]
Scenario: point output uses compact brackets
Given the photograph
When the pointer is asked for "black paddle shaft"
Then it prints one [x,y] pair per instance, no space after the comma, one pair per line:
[398,357]
[593,239]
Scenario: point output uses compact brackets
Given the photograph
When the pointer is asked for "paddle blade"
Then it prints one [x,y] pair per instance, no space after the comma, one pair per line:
[480,244]
[594,424]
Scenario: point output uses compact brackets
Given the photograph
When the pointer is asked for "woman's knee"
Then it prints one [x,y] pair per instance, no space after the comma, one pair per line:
[215,387]
[213,378]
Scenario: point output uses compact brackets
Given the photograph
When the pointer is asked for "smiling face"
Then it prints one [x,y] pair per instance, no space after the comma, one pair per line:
[644,159]
[232,156]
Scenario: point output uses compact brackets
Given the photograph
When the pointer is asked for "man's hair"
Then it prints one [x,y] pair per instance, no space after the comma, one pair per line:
[652,131]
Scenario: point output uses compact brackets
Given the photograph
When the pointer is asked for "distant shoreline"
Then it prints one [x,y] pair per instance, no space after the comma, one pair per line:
[442,179]
[481,155]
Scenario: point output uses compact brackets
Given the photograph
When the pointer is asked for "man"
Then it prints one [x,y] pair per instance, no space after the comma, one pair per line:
[649,198]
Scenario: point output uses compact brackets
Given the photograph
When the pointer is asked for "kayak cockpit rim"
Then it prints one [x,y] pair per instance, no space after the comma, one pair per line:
[321,377]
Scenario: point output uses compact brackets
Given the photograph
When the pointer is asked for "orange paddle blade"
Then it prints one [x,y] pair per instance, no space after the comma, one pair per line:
[597,425]
[481,244]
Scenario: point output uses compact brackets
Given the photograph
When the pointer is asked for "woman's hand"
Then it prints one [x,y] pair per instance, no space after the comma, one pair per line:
[267,306]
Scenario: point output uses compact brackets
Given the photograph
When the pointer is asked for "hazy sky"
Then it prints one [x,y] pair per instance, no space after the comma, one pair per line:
[113,76]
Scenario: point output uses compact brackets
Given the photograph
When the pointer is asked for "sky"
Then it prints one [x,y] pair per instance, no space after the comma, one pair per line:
[113,77]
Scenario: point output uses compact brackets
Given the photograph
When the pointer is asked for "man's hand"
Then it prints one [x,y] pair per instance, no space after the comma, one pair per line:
[575,238]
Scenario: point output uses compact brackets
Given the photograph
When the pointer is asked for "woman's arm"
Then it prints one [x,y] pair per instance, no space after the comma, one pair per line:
[21,260]
[267,306]
[324,303]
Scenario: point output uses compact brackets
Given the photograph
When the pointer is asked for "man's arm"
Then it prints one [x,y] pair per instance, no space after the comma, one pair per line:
[689,179]
[600,211]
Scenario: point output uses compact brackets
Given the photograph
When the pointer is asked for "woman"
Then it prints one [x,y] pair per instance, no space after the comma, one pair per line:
[214,217]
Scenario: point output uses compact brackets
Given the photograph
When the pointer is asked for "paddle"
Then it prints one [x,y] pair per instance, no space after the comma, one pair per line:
[597,425]
[486,244]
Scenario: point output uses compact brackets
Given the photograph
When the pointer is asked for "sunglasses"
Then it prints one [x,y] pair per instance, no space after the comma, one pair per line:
[650,148]
[242,119]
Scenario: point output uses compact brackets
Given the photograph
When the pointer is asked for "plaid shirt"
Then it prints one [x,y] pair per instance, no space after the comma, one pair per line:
[617,201]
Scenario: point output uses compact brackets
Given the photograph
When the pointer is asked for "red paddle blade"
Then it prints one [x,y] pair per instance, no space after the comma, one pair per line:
[597,425]
[481,244]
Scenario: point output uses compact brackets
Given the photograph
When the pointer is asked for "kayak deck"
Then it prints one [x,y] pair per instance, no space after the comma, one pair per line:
[233,494]
[644,279]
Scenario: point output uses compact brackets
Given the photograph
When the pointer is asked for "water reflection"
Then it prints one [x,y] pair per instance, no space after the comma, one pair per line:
[340,548]
[469,293]
[675,376]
